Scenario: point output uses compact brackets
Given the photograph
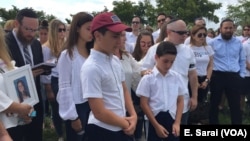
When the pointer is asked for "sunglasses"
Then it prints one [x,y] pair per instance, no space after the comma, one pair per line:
[61,29]
[161,20]
[180,32]
[246,29]
[135,22]
[202,35]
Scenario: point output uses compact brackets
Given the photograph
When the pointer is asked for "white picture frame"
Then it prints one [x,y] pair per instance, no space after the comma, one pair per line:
[21,79]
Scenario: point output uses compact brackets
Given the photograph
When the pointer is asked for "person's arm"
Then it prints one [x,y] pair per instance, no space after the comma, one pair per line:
[204,84]
[105,115]
[132,119]
[179,111]
[23,110]
[192,76]
[242,62]
[160,130]
[4,136]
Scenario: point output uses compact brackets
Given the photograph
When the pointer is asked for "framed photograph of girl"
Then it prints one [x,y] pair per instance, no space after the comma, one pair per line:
[19,85]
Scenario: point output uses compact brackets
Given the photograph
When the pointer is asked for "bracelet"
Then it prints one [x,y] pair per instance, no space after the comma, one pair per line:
[207,80]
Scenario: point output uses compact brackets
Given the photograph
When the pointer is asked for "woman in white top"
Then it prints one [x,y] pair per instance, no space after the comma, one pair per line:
[204,60]
[144,41]
[133,73]
[72,107]
[6,104]
[51,50]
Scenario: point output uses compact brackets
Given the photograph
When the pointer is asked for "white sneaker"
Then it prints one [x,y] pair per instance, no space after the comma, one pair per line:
[61,139]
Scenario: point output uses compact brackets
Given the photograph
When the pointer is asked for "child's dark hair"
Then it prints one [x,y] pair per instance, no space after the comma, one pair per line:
[166,47]
[44,25]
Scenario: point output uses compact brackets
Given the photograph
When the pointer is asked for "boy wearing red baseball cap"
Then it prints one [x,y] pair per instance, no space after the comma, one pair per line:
[103,84]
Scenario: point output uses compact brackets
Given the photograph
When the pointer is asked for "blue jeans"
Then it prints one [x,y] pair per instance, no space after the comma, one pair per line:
[83,113]
[57,120]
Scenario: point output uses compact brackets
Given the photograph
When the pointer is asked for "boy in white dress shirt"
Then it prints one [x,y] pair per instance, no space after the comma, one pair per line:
[103,84]
[161,96]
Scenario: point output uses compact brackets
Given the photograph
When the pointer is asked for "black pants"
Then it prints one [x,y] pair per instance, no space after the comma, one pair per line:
[202,93]
[96,133]
[32,131]
[57,120]
[165,119]
[230,83]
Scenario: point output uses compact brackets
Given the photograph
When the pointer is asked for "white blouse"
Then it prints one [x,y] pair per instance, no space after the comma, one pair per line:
[5,101]
[49,57]
[70,92]
[132,70]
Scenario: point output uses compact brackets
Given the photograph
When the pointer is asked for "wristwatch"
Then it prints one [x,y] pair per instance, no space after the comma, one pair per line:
[207,80]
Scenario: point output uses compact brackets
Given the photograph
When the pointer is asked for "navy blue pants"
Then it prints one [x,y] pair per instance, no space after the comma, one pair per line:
[96,133]
[83,113]
[57,120]
[165,119]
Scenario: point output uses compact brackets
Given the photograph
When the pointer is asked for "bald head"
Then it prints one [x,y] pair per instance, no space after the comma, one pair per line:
[177,31]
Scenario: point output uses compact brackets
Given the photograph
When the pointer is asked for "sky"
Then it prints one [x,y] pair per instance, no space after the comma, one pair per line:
[63,8]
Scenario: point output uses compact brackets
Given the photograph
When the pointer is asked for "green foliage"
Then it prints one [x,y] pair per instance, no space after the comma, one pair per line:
[11,14]
[125,10]
[239,12]
[188,10]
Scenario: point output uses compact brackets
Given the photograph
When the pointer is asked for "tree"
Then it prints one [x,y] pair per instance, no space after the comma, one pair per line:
[240,12]
[188,10]
[125,10]
[11,14]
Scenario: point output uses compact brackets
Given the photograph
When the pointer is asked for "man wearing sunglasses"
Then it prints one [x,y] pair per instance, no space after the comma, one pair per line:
[183,64]
[161,19]
[135,25]
[198,21]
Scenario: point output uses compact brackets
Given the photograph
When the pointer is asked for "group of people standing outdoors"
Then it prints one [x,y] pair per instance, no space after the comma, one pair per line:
[112,81]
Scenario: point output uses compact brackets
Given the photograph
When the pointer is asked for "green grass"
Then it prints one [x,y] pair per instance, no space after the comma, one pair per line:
[224,117]
[49,133]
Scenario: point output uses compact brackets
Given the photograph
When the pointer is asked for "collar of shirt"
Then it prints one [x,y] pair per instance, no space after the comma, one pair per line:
[156,72]
[101,56]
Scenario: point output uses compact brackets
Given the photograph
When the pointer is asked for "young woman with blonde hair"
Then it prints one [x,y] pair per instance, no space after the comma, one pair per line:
[51,51]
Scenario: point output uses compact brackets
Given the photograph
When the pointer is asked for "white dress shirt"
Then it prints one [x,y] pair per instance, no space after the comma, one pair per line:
[102,77]
[162,91]
[184,62]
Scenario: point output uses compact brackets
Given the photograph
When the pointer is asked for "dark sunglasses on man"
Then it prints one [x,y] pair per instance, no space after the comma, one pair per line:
[180,32]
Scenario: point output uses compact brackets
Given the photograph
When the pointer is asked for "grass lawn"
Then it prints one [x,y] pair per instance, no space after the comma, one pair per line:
[224,116]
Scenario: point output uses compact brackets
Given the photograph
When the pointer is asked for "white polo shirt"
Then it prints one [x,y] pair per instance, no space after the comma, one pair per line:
[102,77]
[184,62]
[162,91]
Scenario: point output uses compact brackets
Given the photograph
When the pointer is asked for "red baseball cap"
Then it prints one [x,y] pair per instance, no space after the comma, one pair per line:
[110,21]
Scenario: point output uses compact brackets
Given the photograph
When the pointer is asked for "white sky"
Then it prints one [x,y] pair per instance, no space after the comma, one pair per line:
[63,8]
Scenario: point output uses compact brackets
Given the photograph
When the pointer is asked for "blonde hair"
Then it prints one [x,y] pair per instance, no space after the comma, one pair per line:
[9,25]
[4,53]
[53,41]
